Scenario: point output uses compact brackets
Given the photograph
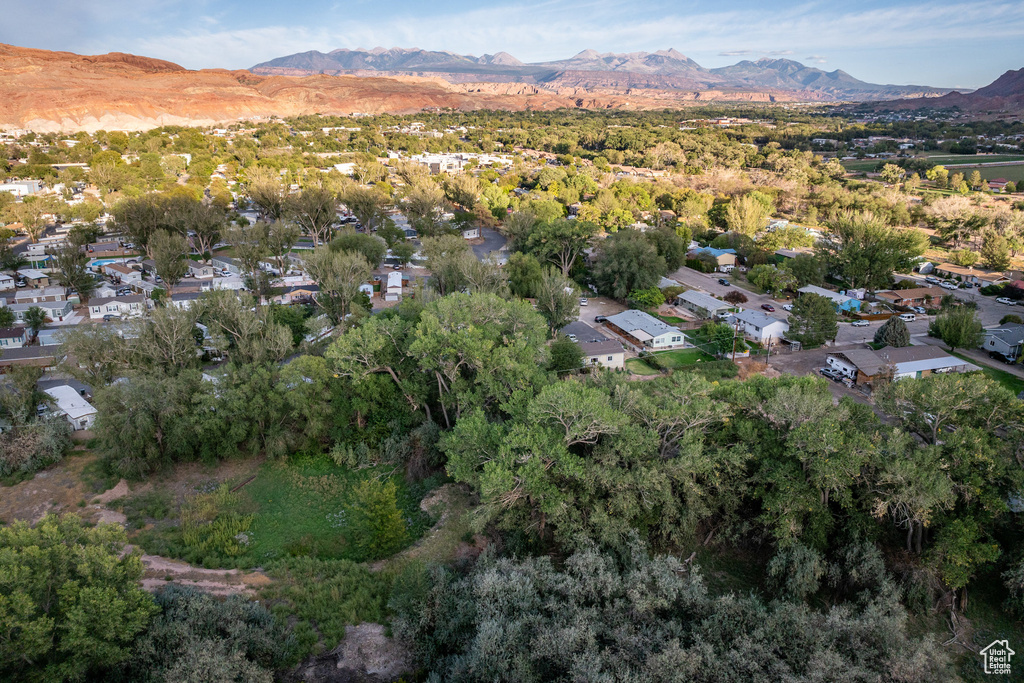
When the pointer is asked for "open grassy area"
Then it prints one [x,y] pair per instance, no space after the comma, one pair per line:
[682,357]
[638,367]
[298,508]
[954,159]
[670,319]
[1010,381]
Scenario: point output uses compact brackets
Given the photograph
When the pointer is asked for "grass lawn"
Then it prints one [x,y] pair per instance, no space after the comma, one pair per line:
[682,357]
[299,508]
[638,367]
[1010,381]
[954,159]
[670,319]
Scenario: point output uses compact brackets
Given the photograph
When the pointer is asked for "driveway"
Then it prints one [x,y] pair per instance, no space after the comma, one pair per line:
[492,241]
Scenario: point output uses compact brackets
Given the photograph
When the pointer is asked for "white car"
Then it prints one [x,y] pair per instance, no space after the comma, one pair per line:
[787,307]
[583,301]
[1004,300]
[860,323]
[948,285]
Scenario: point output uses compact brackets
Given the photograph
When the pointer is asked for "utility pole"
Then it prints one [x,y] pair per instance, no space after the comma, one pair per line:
[769,351]
[735,333]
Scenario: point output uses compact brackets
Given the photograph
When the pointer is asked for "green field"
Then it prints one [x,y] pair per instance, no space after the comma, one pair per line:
[1011,382]
[682,357]
[638,367]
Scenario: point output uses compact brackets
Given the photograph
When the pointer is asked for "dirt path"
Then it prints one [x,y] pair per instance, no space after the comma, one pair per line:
[161,571]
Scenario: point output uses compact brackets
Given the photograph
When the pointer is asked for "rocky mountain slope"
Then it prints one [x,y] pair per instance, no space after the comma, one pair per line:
[1005,94]
[664,69]
[48,91]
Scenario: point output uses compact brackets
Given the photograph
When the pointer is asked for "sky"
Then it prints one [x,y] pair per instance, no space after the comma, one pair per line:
[943,43]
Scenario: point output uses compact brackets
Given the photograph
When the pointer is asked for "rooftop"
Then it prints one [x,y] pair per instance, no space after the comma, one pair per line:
[70,401]
[702,300]
[632,321]
[827,293]
[583,332]
[758,319]
[599,348]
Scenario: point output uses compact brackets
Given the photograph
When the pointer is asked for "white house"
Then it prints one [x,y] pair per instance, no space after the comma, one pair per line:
[6,282]
[1006,339]
[124,306]
[12,337]
[184,300]
[471,233]
[393,292]
[226,263]
[608,353]
[760,327]
[123,273]
[79,412]
[197,269]
[645,330]
[701,304]
[54,310]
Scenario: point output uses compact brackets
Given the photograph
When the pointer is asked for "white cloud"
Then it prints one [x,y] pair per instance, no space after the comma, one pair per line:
[816,59]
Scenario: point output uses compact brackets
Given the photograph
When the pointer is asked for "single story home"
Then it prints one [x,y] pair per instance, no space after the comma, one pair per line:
[582,332]
[866,366]
[184,300]
[12,337]
[726,258]
[701,303]
[974,275]
[123,273]
[48,336]
[393,290]
[226,263]
[37,356]
[302,294]
[6,281]
[1006,339]
[103,247]
[607,353]
[842,302]
[123,306]
[34,296]
[232,282]
[197,269]
[34,278]
[471,233]
[761,327]
[54,310]
[643,329]
[80,413]
[918,296]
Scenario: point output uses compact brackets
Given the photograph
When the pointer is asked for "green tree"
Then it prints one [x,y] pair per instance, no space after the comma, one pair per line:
[813,320]
[315,211]
[524,274]
[746,215]
[672,244]
[893,174]
[372,248]
[423,206]
[369,206]
[627,261]
[566,355]
[893,333]
[264,187]
[995,251]
[646,299]
[6,317]
[169,256]
[34,320]
[374,514]
[560,241]
[960,550]
[70,603]
[771,278]
[807,269]
[339,274]
[558,300]
[403,252]
[864,252]
[71,264]
[958,327]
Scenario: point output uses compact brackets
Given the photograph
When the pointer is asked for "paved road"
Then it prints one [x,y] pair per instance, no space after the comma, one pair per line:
[989,312]
[709,283]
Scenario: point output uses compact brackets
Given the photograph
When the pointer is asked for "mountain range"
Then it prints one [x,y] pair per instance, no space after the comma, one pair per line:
[661,70]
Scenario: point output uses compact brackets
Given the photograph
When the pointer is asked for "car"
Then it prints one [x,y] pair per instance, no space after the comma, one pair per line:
[787,307]
[110,316]
[948,285]
[572,337]
[768,307]
[860,323]
[583,301]
[919,309]
[725,283]
[20,283]
[831,374]
[908,317]
[601,319]
[397,266]
[1004,300]
[932,279]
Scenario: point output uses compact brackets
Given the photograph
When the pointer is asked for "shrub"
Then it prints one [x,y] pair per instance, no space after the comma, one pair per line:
[31,447]
[211,524]
[378,521]
[893,333]
[1011,319]
[991,290]
[736,297]
[796,571]
[198,637]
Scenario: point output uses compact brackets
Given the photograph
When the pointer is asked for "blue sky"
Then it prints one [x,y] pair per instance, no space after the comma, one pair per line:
[940,43]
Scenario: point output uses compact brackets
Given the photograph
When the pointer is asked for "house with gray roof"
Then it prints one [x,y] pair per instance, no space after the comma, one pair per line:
[1006,339]
[607,353]
[842,302]
[760,327]
[867,366]
[701,303]
[642,329]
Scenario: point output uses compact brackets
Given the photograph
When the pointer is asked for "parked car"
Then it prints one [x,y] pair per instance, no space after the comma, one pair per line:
[908,317]
[397,266]
[831,374]
[601,319]
[1005,300]
[725,283]
[787,307]
[110,316]
[583,301]
[948,285]
[932,279]
[919,309]
[572,337]
[860,323]
[768,307]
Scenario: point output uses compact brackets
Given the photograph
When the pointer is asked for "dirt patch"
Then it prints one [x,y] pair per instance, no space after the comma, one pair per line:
[58,489]
[160,571]
[365,655]
[119,491]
